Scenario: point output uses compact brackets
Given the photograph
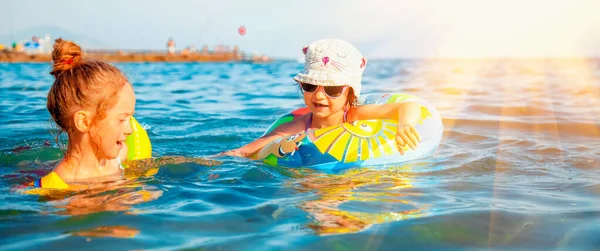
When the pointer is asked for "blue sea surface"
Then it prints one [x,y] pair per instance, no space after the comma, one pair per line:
[518,167]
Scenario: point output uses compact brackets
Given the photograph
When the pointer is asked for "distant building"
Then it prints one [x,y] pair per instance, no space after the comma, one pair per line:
[171,46]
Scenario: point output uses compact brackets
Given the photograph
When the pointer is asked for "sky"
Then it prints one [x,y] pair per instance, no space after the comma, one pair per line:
[280,28]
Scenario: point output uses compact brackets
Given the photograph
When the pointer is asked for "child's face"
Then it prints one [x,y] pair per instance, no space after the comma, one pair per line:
[322,105]
[111,132]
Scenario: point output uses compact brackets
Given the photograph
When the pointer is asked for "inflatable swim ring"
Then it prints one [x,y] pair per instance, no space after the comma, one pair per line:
[357,144]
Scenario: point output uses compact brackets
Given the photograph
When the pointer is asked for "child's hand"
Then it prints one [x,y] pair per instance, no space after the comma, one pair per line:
[234,153]
[407,135]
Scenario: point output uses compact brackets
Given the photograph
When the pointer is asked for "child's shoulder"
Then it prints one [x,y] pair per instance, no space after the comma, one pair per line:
[293,127]
[366,111]
[64,170]
[69,173]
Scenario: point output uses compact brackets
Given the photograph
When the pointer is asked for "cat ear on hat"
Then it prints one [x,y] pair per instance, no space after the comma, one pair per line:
[363,63]
[305,49]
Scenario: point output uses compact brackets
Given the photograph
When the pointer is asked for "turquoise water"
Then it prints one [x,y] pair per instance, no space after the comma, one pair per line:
[518,166]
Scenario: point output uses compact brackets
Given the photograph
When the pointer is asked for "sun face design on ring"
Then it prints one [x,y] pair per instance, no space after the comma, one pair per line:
[364,128]
[358,140]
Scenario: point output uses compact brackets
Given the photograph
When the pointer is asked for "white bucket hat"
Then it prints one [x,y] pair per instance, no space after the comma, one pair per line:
[333,62]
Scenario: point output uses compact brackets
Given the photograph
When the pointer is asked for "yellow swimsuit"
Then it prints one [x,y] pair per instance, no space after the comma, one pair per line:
[53,181]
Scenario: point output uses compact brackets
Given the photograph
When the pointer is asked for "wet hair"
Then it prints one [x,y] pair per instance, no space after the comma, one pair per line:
[352,100]
[80,83]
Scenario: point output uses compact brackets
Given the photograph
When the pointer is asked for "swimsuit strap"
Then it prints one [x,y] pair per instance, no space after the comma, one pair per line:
[346,115]
[308,123]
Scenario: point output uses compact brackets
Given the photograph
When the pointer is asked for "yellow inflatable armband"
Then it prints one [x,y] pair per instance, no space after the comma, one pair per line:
[138,143]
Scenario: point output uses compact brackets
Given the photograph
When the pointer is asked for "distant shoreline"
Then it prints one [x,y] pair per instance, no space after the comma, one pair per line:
[7,56]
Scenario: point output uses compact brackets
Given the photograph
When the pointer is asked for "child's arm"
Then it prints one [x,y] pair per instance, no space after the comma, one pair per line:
[407,115]
[250,149]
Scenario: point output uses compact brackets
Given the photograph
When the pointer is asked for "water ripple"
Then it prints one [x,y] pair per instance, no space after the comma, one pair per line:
[518,166]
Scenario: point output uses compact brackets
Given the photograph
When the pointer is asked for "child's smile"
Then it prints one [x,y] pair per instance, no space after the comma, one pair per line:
[319,105]
[120,143]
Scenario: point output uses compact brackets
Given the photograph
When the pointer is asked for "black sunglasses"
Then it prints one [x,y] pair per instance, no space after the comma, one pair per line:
[331,91]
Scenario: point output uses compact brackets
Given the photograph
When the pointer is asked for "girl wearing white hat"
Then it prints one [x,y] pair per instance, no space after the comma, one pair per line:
[331,84]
